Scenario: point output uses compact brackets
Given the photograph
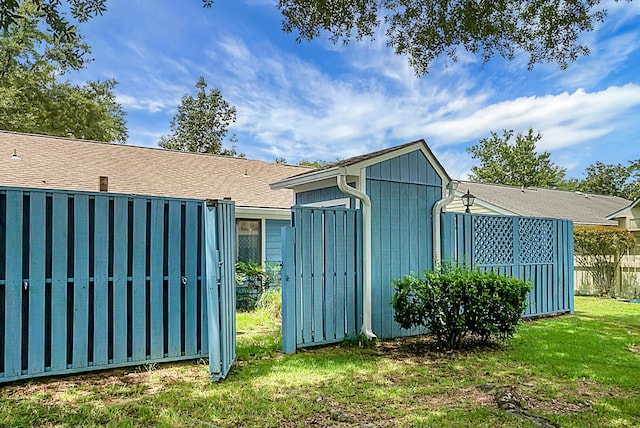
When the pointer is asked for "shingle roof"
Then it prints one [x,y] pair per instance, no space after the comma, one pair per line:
[368,156]
[580,207]
[61,163]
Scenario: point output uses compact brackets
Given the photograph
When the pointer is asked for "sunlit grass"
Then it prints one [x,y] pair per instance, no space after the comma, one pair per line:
[580,370]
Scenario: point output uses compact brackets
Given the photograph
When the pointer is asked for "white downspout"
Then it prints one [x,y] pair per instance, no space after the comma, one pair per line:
[437,207]
[366,249]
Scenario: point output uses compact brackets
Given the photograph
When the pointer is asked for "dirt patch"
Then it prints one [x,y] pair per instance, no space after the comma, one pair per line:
[126,382]
[427,348]
[508,400]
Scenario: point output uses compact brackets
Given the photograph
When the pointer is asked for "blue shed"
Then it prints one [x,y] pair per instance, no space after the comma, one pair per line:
[396,190]
[362,222]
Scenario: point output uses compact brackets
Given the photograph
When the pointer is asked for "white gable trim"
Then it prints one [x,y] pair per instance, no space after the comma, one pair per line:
[633,205]
[487,205]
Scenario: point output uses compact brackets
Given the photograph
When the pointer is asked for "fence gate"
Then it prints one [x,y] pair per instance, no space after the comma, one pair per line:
[94,280]
[321,277]
[539,250]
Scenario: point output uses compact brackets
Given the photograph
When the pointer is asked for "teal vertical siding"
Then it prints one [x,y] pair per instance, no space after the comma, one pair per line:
[403,191]
[323,195]
[93,280]
[273,240]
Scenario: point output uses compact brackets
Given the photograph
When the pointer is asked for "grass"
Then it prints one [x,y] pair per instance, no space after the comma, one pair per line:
[580,370]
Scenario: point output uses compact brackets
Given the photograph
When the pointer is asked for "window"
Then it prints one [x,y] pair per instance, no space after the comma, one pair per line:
[249,237]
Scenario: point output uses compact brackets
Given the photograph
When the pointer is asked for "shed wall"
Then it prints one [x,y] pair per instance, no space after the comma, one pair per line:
[403,191]
[273,237]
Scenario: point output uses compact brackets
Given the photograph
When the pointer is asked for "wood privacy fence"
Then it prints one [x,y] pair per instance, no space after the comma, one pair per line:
[322,266]
[627,278]
[94,280]
[539,250]
[321,277]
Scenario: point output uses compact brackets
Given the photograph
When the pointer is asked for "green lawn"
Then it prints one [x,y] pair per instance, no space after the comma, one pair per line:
[581,370]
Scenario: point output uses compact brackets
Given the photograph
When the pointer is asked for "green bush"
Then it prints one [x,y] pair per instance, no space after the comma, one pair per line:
[252,280]
[455,302]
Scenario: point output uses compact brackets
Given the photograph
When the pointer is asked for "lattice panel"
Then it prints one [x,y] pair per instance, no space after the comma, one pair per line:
[536,240]
[493,240]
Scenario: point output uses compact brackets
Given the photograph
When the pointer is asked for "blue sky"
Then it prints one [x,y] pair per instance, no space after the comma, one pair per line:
[323,101]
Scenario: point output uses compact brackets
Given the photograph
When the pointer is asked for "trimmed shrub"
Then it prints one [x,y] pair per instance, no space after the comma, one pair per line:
[453,303]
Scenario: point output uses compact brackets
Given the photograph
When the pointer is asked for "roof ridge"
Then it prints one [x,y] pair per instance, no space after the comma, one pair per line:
[157,149]
[577,192]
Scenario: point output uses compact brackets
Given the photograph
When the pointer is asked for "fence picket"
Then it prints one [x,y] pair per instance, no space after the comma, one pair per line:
[174,278]
[101,281]
[329,275]
[13,285]
[80,358]
[191,286]
[59,263]
[36,283]
[156,280]
[121,253]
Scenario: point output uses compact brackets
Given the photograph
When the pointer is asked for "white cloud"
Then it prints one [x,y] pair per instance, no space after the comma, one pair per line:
[297,111]
[322,101]
[564,119]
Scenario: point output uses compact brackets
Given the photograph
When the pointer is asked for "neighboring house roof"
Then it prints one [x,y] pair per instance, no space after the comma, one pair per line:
[360,161]
[629,207]
[582,208]
[62,163]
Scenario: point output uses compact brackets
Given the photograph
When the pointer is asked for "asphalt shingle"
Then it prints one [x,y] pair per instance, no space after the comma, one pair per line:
[62,163]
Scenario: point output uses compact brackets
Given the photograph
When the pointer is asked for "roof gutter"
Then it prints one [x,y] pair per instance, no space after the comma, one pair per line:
[437,207]
[366,244]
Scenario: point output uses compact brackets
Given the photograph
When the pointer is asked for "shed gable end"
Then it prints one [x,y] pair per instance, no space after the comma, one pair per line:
[412,167]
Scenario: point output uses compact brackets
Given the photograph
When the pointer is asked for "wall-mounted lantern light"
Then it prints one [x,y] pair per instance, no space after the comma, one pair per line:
[467,201]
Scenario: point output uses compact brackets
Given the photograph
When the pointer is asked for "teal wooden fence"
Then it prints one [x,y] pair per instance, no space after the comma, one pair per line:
[539,250]
[321,277]
[94,280]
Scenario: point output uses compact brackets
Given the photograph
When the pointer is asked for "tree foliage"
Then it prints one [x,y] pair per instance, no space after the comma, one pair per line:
[34,99]
[54,17]
[546,30]
[599,250]
[614,180]
[201,124]
[318,163]
[515,163]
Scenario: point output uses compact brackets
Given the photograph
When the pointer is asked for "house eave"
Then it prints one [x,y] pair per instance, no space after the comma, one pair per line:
[261,212]
[312,177]
[631,206]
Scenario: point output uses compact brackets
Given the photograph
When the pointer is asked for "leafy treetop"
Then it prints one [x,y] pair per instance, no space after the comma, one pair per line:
[546,30]
[33,96]
[614,180]
[201,123]
[514,163]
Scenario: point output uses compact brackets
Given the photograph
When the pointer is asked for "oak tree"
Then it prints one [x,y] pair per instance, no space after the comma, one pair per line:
[545,30]
[35,98]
